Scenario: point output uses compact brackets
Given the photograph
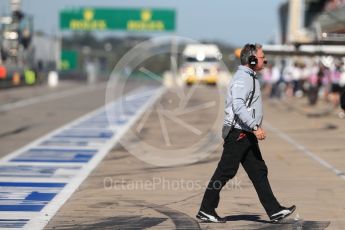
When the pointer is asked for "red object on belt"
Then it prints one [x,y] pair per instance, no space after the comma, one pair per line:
[241,136]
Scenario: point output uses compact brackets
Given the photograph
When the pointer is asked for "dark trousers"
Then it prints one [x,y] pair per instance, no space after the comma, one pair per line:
[240,147]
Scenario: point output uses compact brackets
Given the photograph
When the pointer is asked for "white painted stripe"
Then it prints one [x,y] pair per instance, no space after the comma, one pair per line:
[61,147]
[10,228]
[36,179]
[50,97]
[62,164]
[305,150]
[49,211]
[15,217]
[55,132]
[18,215]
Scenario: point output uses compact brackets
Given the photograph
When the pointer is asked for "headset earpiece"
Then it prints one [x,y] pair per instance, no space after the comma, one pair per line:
[252,61]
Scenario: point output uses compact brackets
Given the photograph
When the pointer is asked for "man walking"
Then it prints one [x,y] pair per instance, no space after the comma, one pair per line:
[241,132]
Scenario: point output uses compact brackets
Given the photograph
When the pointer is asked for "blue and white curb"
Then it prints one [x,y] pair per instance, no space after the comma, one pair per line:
[36,180]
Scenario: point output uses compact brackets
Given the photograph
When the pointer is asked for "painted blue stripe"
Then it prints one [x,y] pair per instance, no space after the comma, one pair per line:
[103,132]
[27,196]
[21,208]
[64,143]
[91,120]
[77,159]
[73,141]
[94,122]
[90,125]
[13,223]
[119,121]
[14,220]
[97,120]
[34,196]
[81,136]
[37,171]
[63,150]
[80,160]
[32,184]
[56,155]
[86,133]
[40,196]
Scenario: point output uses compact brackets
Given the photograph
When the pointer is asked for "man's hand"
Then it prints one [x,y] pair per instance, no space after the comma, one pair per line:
[260,134]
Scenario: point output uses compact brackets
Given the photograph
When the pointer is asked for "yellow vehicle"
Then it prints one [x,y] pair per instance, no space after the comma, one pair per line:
[201,64]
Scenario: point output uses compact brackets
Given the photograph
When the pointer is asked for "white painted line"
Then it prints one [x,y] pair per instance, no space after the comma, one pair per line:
[18,215]
[57,147]
[10,228]
[86,167]
[62,164]
[305,150]
[35,179]
[49,97]
[49,210]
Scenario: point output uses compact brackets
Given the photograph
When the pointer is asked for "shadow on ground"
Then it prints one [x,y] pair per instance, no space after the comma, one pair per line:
[254,218]
[119,222]
[288,224]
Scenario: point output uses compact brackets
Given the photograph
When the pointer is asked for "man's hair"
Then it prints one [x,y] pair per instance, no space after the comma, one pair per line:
[247,51]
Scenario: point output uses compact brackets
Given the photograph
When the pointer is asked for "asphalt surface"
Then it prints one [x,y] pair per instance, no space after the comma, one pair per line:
[130,188]
[28,113]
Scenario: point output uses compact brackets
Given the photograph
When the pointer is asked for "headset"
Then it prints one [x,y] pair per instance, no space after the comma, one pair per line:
[252,59]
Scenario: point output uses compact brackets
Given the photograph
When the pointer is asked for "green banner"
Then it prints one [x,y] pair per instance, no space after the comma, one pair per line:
[69,60]
[118,19]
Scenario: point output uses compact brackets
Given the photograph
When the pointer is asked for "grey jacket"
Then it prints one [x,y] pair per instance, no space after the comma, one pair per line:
[240,89]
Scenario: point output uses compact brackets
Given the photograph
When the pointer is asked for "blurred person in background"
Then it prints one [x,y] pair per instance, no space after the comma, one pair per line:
[305,73]
[275,82]
[342,85]
[324,74]
[315,83]
[287,77]
[241,132]
[297,79]
[266,78]
[335,91]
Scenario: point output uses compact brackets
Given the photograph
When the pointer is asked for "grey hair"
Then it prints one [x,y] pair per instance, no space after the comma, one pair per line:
[247,51]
